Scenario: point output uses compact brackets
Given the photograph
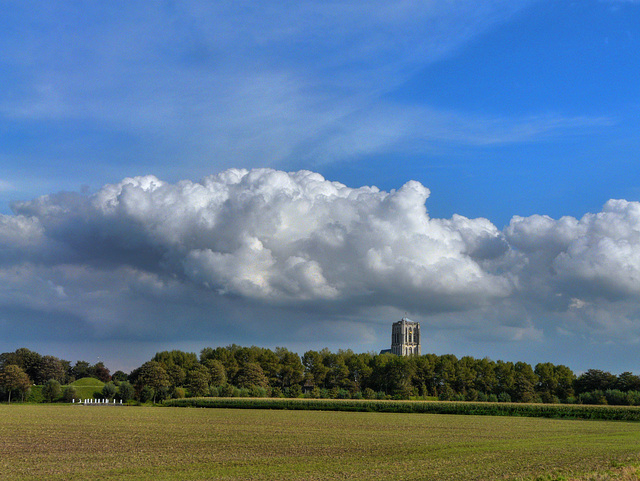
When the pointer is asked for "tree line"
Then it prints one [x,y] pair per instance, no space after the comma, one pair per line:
[237,371]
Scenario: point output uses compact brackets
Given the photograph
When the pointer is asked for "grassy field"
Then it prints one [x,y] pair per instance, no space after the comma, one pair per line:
[114,442]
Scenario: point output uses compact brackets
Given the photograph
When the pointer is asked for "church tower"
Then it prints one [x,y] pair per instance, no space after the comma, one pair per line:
[405,338]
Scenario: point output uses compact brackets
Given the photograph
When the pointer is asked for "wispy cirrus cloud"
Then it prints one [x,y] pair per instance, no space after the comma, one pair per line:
[252,83]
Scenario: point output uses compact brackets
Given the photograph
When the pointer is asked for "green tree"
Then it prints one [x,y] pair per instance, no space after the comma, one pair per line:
[251,374]
[198,380]
[486,380]
[445,372]
[465,375]
[225,356]
[125,391]
[547,384]
[505,377]
[51,390]
[177,375]
[595,380]
[99,371]
[270,364]
[69,394]
[152,375]
[119,376]
[185,360]
[28,361]
[13,378]
[424,374]
[314,366]
[525,381]
[81,369]
[338,372]
[50,368]
[566,379]
[216,372]
[291,370]
[628,382]
[359,370]
[109,390]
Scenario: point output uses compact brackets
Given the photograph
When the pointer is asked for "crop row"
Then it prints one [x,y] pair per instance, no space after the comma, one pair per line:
[559,411]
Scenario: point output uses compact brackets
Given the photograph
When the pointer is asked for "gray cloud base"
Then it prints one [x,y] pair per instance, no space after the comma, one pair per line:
[149,259]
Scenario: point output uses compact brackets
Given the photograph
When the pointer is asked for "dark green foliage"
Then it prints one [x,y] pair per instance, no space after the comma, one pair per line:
[125,391]
[109,390]
[251,374]
[258,372]
[100,371]
[119,376]
[609,413]
[198,380]
[13,378]
[69,394]
[81,369]
[50,368]
[153,376]
[216,372]
[147,394]
[51,391]
[28,361]
[595,380]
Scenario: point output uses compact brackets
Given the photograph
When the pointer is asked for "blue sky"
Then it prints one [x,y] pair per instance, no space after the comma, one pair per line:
[502,112]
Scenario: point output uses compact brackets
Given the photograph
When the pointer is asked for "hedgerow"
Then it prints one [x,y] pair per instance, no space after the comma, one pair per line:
[558,411]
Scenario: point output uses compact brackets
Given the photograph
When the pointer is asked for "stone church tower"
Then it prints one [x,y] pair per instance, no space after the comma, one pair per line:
[405,338]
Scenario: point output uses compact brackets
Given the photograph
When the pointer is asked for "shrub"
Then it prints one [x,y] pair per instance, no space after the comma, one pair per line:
[471,395]
[109,390]
[226,390]
[343,394]
[504,397]
[146,394]
[125,391]
[257,391]
[369,393]
[617,398]
[592,397]
[69,394]
[51,391]
[179,393]
[621,413]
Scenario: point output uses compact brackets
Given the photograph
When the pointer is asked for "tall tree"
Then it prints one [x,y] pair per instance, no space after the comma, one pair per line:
[250,375]
[314,367]
[13,378]
[100,371]
[198,379]
[51,390]
[595,380]
[50,368]
[81,369]
[154,376]
[291,370]
[216,372]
